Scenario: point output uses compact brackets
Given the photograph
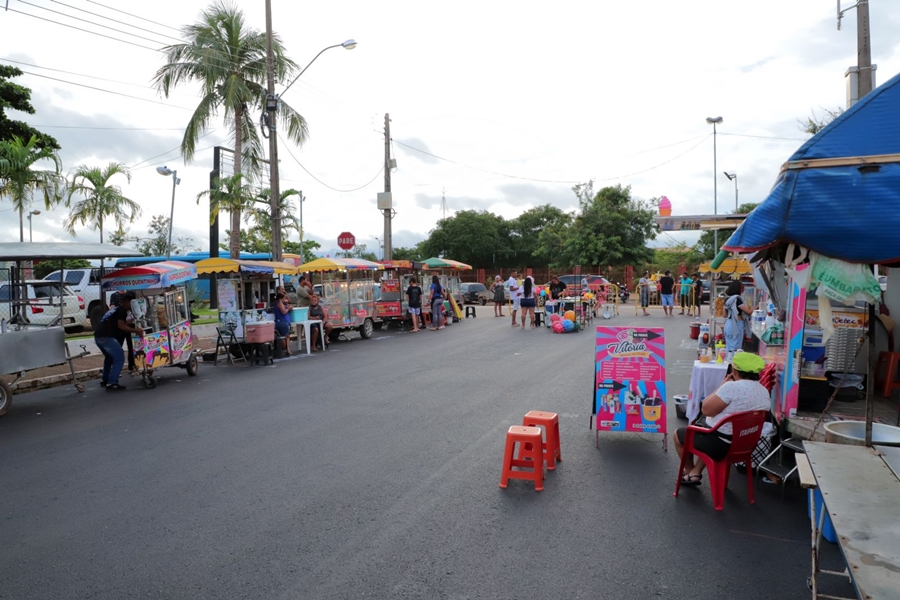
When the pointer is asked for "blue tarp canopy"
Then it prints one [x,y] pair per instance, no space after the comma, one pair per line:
[839,194]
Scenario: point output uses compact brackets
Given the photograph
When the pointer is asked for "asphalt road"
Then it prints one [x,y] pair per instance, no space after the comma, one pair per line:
[372,471]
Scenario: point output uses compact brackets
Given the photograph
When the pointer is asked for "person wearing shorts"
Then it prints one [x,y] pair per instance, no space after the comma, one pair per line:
[414,295]
[515,294]
[667,294]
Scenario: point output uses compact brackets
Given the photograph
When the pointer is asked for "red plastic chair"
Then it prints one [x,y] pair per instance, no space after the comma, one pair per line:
[746,428]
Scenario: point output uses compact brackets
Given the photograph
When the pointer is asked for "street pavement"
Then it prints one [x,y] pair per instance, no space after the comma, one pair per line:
[372,471]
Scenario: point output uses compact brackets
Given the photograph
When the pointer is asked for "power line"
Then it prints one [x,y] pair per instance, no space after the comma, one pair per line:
[706,137]
[286,147]
[178,147]
[135,16]
[764,137]
[56,12]
[108,128]
[91,87]
[117,21]
[482,170]
[81,29]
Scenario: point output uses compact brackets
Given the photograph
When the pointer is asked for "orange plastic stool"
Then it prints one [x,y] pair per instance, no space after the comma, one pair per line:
[529,456]
[550,446]
[891,363]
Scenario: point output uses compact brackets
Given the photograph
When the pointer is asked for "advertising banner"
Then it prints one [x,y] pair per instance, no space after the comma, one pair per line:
[630,379]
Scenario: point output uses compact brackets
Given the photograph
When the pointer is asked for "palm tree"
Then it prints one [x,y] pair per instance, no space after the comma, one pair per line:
[228,194]
[100,200]
[228,60]
[19,180]
[262,217]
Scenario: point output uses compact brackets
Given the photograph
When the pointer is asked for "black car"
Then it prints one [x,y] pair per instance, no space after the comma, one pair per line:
[704,297]
[474,293]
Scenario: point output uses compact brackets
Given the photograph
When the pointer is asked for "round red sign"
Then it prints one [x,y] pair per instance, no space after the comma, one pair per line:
[346,240]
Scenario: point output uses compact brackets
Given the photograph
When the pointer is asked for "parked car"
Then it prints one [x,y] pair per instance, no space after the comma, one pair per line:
[704,297]
[474,293]
[44,303]
[85,283]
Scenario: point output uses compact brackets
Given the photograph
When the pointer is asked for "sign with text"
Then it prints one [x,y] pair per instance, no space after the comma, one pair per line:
[346,240]
[630,379]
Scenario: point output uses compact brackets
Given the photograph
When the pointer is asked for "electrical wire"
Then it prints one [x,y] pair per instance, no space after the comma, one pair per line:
[764,137]
[172,37]
[108,128]
[178,147]
[81,29]
[706,137]
[91,87]
[56,12]
[482,170]
[165,160]
[134,16]
[287,147]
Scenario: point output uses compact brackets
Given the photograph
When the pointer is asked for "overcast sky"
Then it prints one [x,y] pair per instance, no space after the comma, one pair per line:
[517,100]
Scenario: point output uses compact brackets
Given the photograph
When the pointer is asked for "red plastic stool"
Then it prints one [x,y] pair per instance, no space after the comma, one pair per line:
[550,446]
[891,362]
[528,457]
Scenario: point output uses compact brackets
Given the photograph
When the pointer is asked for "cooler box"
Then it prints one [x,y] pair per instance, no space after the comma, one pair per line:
[258,333]
[298,315]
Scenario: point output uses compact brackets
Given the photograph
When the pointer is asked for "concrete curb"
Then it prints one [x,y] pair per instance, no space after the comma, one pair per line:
[43,383]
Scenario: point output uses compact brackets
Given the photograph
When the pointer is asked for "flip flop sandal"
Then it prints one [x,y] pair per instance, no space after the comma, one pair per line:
[691,480]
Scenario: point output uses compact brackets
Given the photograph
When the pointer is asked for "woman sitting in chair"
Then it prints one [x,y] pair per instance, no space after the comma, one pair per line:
[740,392]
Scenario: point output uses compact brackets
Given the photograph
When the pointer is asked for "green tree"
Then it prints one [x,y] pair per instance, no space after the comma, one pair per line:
[229,194]
[472,237]
[19,179]
[45,267]
[359,251]
[814,124]
[404,253]
[228,59]
[525,233]
[17,97]
[261,218]
[100,199]
[308,248]
[704,245]
[119,237]
[158,240]
[612,228]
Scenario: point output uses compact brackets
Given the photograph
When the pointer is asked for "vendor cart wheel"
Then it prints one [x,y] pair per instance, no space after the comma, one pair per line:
[79,387]
[192,365]
[379,325]
[150,381]
[6,395]
[483,301]
[367,329]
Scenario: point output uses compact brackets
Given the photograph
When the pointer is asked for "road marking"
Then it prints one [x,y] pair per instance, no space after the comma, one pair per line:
[682,366]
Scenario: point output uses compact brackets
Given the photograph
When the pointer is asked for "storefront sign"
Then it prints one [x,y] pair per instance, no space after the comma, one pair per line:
[630,379]
[841,320]
[227,294]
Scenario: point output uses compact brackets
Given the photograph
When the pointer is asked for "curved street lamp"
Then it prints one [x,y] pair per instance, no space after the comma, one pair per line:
[715,121]
[733,177]
[166,171]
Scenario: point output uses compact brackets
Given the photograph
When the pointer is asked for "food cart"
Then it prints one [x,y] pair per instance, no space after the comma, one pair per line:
[448,271]
[24,346]
[244,289]
[161,310]
[392,304]
[348,293]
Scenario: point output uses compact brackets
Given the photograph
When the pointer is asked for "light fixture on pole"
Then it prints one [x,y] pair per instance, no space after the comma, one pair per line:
[302,200]
[380,246]
[715,121]
[269,129]
[166,171]
[733,177]
[32,213]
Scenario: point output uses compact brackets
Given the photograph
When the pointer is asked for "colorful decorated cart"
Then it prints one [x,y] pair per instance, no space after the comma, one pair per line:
[161,310]
[348,293]
[393,305]
[448,270]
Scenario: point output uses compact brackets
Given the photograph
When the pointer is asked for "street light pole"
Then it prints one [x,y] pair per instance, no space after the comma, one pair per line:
[302,200]
[166,171]
[733,177]
[715,121]
[32,213]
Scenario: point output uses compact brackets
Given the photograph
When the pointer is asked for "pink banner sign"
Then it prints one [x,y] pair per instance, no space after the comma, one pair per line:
[630,379]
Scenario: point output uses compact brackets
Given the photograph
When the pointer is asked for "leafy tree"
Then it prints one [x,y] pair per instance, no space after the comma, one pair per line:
[525,233]
[19,179]
[119,237]
[228,194]
[228,59]
[45,267]
[309,248]
[612,228]
[403,253]
[100,199]
[473,237]
[18,98]
[672,257]
[814,124]
[359,251]
[158,240]
[704,245]
[261,218]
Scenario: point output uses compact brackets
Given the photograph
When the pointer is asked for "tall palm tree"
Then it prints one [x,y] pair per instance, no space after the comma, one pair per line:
[19,180]
[227,194]
[100,199]
[262,217]
[228,59]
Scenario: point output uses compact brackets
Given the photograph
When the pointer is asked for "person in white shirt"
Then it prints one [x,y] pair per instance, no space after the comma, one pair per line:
[741,392]
[515,294]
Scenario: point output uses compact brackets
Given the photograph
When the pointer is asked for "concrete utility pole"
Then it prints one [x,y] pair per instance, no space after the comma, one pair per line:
[863,48]
[388,246]
[272,109]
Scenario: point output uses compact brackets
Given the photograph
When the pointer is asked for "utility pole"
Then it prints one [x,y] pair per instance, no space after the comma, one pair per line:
[388,246]
[863,48]
[302,258]
[272,109]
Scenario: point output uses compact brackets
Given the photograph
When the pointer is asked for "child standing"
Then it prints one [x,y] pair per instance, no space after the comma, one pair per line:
[414,295]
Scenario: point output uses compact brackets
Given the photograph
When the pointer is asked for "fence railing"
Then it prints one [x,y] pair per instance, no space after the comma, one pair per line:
[650,297]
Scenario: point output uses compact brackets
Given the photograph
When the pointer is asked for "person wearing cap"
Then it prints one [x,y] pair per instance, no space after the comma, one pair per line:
[112,330]
[740,392]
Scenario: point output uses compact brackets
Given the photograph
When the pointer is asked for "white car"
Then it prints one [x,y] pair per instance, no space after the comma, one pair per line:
[44,304]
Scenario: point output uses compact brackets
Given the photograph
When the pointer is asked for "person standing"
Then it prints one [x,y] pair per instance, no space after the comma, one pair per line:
[282,309]
[499,296]
[528,300]
[304,291]
[557,288]
[514,294]
[109,335]
[644,292]
[685,295]
[698,292]
[414,297]
[437,303]
[667,294]
[735,309]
